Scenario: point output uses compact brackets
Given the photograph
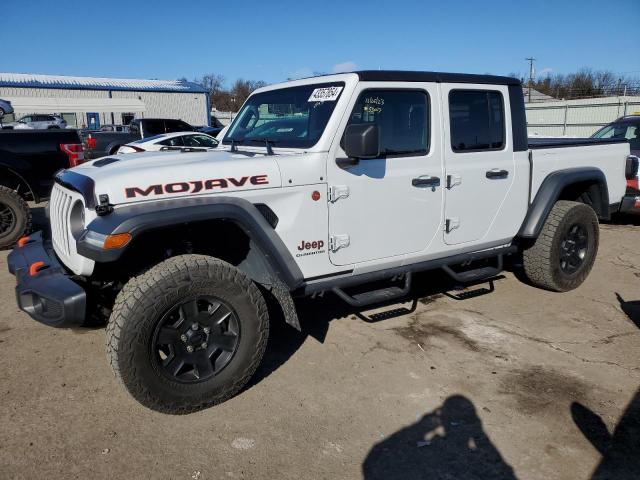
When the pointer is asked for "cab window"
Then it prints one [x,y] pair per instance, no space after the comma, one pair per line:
[476,119]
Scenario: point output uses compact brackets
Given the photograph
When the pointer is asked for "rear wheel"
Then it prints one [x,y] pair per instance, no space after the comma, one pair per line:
[187,334]
[564,252]
[15,217]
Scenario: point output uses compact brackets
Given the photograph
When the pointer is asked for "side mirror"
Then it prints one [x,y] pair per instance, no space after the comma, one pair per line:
[362,140]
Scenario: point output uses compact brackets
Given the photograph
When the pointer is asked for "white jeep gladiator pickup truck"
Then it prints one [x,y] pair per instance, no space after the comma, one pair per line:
[320,184]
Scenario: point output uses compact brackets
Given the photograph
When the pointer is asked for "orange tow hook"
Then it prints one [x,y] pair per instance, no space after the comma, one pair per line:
[23,241]
[36,267]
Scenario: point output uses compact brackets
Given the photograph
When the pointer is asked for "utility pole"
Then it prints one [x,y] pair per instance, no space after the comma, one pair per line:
[530,60]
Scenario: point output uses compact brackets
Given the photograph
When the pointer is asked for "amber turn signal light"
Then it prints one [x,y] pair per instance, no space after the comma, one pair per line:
[117,240]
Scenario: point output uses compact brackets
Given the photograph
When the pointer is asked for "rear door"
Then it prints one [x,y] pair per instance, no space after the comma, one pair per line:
[391,205]
[478,159]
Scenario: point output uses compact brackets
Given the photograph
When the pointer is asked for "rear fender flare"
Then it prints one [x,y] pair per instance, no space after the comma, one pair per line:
[551,189]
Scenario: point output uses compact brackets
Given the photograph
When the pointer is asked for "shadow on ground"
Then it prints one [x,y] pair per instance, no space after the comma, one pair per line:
[447,443]
[631,309]
[620,449]
[316,314]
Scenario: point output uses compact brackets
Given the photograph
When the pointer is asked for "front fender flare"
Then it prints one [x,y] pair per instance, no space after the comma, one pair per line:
[141,217]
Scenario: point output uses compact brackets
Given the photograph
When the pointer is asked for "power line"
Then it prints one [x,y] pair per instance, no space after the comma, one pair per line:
[530,60]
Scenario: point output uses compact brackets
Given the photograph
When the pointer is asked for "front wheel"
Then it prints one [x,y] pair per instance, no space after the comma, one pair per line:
[187,334]
[15,217]
[564,252]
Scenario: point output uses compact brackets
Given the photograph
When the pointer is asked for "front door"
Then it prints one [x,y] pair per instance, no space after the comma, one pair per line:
[479,160]
[391,205]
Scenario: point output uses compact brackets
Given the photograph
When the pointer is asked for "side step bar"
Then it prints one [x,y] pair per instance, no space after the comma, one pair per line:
[375,296]
[476,274]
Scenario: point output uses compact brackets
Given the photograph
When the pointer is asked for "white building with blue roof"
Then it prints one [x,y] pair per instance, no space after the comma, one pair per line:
[95,101]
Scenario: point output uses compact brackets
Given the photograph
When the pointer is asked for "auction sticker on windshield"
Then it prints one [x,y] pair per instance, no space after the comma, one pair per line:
[326,94]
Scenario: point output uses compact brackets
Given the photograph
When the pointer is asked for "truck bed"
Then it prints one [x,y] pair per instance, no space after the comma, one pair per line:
[541,142]
[552,154]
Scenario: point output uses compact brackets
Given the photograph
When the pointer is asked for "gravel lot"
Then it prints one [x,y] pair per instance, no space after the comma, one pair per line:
[514,383]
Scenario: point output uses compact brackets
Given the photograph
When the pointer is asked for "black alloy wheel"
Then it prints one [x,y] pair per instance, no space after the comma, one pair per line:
[196,339]
[7,218]
[573,249]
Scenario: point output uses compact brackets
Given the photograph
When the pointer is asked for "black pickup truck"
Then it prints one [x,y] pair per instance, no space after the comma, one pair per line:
[100,144]
[28,161]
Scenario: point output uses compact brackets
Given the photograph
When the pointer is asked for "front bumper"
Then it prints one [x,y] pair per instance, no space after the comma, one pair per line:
[630,204]
[49,295]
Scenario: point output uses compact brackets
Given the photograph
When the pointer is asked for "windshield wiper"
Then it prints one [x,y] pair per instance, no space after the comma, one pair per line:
[267,143]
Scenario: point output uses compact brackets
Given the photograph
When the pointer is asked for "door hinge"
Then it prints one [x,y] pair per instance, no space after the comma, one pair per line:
[453,180]
[451,224]
[336,242]
[337,192]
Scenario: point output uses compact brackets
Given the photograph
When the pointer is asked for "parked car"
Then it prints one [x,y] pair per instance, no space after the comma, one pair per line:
[37,122]
[169,140]
[28,161]
[99,144]
[397,172]
[213,131]
[5,108]
[627,127]
[114,128]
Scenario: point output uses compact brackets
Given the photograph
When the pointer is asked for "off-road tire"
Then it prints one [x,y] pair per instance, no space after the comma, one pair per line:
[21,224]
[138,309]
[542,260]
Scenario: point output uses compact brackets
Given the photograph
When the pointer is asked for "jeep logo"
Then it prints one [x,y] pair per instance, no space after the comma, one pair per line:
[315,245]
[195,186]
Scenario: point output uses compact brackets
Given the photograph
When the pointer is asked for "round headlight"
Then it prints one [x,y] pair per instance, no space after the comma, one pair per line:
[76,219]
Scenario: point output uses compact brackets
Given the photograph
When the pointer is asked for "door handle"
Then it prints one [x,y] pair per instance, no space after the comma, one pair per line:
[426,181]
[496,173]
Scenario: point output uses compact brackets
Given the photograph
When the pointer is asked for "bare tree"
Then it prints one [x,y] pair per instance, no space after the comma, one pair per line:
[213,82]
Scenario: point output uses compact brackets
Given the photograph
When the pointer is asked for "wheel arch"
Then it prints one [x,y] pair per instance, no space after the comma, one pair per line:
[12,179]
[585,184]
[267,260]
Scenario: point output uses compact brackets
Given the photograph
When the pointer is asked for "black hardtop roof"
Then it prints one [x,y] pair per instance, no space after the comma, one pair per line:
[438,77]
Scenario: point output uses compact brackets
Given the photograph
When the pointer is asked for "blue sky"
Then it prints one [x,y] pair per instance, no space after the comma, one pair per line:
[273,40]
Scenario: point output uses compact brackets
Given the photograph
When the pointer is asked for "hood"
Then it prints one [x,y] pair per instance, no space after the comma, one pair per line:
[138,177]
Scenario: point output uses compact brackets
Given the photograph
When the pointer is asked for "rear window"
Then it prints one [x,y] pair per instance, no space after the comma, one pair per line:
[153,127]
[177,126]
[476,120]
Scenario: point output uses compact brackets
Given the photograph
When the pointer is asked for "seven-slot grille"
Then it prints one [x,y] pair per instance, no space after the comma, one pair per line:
[59,208]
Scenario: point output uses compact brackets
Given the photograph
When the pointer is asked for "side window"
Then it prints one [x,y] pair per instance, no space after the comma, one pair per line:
[172,142]
[402,117]
[476,120]
[199,141]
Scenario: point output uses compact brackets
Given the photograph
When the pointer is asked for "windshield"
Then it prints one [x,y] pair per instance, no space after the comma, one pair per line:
[288,117]
[627,129]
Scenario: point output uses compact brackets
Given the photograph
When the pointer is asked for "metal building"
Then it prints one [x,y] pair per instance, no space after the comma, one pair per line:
[91,101]
[577,118]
